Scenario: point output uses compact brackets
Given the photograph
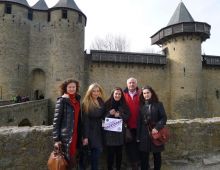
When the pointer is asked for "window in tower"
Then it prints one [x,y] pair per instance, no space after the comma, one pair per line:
[8,8]
[64,14]
[80,18]
[48,17]
[30,14]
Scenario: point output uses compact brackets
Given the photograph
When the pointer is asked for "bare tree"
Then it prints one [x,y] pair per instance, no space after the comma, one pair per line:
[111,43]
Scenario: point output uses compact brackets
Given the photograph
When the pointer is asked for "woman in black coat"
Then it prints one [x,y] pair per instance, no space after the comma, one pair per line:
[152,115]
[115,107]
[93,110]
[67,120]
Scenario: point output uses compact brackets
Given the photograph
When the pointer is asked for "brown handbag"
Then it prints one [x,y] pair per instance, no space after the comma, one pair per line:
[161,137]
[57,160]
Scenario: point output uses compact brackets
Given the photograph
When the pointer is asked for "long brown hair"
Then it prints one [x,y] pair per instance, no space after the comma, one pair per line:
[154,98]
[122,101]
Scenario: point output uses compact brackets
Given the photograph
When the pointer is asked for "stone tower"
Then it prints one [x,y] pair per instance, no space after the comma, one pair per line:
[14,42]
[181,41]
[66,46]
[38,50]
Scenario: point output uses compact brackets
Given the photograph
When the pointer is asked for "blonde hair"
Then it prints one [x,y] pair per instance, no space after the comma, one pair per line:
[88,102]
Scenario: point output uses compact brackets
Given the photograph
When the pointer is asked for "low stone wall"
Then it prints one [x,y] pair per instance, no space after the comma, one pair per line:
[192,142]
[193,137]
[25,148]
[27,113]
[6,102]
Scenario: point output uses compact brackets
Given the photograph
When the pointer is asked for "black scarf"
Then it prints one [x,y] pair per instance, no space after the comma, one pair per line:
[115,105]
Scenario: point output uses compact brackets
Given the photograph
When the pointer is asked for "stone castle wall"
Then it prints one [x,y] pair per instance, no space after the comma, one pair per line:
[14,45]
[37,55]
[211,82]
[185,68]
[27,113]
[192,141]
[110,75]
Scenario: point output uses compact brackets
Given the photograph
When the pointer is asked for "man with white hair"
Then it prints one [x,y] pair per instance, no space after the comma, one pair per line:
[131,94]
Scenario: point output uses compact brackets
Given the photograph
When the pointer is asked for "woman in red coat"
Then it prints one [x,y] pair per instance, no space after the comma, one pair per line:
[67,121]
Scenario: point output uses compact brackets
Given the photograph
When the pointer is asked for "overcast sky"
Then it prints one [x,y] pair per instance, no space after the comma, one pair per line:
[137,20]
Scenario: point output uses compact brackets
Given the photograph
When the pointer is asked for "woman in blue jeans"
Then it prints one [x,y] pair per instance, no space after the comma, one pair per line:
[93,109]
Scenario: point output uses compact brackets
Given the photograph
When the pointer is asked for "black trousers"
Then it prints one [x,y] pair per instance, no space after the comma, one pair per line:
[112,153]
[145,160]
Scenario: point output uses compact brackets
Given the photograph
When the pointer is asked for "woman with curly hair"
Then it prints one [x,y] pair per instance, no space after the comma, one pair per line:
[66,122]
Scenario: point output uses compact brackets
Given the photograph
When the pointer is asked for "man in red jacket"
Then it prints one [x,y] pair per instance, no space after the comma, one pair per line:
[131,94]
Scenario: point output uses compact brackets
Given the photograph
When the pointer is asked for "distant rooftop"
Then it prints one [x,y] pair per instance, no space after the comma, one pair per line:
[101,56]
[67,4]
[40,5]
[22,2]
[181,14]
[181,23]
[210,60]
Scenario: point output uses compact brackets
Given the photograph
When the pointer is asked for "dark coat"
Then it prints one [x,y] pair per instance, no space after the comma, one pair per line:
[116,138]
[155,115]
[92,123]
[63,123]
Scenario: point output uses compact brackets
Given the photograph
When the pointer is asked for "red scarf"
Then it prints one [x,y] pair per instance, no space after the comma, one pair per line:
[76,106]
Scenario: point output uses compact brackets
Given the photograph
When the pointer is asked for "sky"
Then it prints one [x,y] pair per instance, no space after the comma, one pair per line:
[138,20]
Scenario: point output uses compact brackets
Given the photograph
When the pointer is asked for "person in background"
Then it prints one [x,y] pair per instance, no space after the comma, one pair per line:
[93,109]
[67,120]
[115,107]
[152,118]
[131,94]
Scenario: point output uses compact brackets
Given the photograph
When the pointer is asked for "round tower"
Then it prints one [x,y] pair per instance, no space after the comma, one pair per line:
[181,41]
[14,43]
[66,60]
[38,50]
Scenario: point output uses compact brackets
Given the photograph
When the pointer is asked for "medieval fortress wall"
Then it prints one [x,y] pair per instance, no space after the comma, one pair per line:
[37,54]
[39,48]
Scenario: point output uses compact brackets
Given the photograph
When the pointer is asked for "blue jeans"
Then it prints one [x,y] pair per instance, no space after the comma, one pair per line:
[95,155]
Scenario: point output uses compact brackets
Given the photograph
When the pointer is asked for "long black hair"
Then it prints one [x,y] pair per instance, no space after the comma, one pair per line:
[111,99]
[154,98]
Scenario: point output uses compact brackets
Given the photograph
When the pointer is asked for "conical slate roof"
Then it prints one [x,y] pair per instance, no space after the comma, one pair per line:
[40,5]
[23,2]
[67,4]
[181,14]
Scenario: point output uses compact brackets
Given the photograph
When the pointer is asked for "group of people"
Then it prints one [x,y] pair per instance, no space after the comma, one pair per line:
[77,124]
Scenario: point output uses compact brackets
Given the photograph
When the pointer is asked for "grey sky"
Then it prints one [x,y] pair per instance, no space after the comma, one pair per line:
[137,20]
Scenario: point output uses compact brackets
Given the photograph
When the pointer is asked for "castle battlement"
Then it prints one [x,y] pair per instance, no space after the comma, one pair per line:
[40,47]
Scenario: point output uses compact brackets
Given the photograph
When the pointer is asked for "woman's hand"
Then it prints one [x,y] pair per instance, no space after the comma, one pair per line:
[112,112]
[57,145]
[85,141]
[117,114]
[154,131]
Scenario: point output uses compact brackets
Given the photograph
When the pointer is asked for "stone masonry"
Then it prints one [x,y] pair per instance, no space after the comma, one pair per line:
[193,144]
